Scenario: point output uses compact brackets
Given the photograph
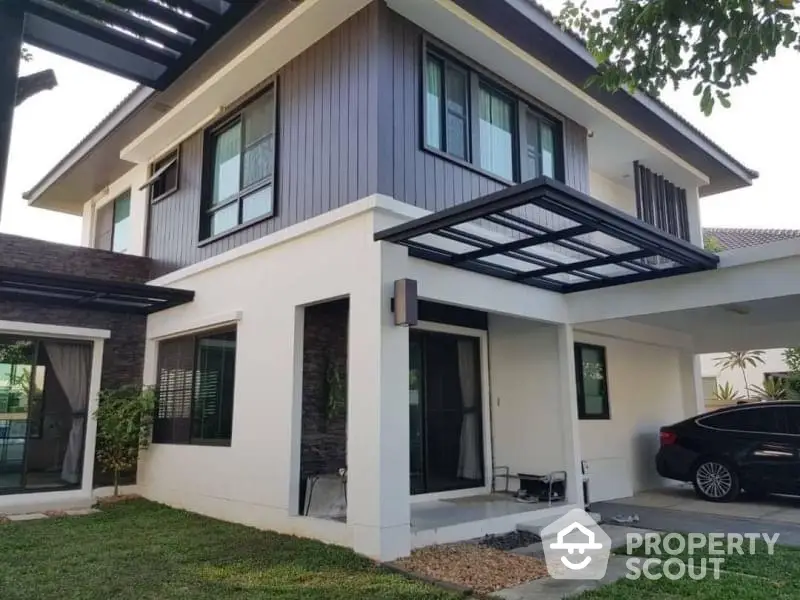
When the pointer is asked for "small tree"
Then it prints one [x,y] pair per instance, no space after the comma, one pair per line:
[124,417]
[741,360]
[791,357]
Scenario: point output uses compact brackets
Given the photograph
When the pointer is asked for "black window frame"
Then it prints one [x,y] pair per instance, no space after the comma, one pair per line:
[188,437]
[157,178]
[521,106]
[231,119]
[605,415]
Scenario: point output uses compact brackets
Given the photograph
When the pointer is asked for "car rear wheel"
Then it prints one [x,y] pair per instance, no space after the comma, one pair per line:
[716,481]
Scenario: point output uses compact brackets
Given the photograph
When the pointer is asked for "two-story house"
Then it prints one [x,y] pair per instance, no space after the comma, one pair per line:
[425,258]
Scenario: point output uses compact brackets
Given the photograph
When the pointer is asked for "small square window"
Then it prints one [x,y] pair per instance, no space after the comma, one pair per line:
[164,177]
[592,382]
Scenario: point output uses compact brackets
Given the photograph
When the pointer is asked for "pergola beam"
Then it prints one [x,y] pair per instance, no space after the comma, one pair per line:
[12,21]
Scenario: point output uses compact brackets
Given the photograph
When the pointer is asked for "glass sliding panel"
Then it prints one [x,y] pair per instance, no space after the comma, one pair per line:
[533,153]
[415,404]
[225,218]
[433,103]
[17,358]
[121,235]
[213,387]
[258,121]
[456,105]
[496,137]
[257,204]
[257,162]
[227,163]
[548,150]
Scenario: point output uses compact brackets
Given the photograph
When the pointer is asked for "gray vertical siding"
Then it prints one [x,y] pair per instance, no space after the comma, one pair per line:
[327,148]
[349,126]
[413,175]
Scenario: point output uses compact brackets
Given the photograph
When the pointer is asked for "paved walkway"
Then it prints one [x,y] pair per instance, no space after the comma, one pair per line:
[678,509]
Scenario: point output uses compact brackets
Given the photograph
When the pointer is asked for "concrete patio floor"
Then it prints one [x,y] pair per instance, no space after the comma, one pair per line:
[678,509]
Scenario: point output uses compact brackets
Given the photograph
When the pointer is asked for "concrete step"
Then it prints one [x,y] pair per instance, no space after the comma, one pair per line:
[535,526]
[27,506]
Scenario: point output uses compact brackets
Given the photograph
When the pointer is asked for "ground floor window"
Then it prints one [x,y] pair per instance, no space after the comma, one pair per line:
[445,404]
[44,394]
[592,382]
[195,389]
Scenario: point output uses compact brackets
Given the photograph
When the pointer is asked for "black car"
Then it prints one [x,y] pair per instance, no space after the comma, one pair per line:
[750,447]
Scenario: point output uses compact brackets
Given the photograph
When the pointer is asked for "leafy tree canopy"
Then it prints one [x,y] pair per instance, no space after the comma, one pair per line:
[715,44]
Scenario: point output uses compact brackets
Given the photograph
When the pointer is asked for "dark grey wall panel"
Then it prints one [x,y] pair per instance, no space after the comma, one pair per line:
[327,148]
[349,126]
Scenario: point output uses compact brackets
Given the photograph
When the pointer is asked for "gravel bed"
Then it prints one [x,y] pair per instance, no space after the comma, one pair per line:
[509,541]
[483,570]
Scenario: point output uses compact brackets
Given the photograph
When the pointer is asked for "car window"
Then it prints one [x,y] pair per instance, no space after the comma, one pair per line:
[792,419]
[762,419]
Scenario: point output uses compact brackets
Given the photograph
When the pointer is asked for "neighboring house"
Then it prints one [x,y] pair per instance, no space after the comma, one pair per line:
[773,365]
[421,250]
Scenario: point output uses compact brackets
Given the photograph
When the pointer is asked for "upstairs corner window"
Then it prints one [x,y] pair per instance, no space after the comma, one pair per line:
[164,177]
[446,107]
[591,382]
[242,167]
[496,133]
[473,117]
[121,231]
[540,147]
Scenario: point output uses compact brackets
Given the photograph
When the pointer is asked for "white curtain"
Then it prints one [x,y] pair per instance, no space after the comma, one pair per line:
[71,364]
[469,459]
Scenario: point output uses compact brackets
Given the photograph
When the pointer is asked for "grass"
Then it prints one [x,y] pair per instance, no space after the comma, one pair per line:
[147,551]
[743,577]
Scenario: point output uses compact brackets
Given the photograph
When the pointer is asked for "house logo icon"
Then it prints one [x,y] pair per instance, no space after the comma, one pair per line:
[575,547]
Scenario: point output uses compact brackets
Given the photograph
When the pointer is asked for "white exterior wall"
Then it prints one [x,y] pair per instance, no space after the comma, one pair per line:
[645,392]
[525,392]
[773,363]
[132,180]
[622,197]
[255,481]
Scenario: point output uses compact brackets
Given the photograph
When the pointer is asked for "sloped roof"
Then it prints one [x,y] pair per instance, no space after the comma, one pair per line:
[732,238]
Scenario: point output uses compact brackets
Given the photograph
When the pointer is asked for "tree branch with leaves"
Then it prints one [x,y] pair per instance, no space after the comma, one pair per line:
[742,361]
[715,44]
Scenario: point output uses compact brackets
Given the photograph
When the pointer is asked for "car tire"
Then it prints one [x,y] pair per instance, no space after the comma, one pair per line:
[715,480]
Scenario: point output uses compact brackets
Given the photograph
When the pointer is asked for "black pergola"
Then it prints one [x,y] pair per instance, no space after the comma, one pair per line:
[545,234]
[88,293]
[148,41]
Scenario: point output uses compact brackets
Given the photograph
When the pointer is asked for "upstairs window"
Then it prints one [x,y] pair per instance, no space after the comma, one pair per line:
[195,389]
[241,169]
[164,177]
[446,107]
[473,119]
[121,230]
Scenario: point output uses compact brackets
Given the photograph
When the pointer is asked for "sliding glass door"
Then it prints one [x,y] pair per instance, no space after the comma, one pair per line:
[445,406]
[44,391]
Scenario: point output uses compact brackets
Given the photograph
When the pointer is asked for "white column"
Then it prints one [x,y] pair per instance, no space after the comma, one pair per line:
[691,384]
[693,207]
[87,480]
[568,415]
[378,498]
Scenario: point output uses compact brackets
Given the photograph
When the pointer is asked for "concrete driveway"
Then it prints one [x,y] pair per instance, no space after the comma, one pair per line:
[678,509]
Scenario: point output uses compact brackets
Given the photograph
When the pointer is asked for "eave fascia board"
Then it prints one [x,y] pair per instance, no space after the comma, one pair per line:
[298,30]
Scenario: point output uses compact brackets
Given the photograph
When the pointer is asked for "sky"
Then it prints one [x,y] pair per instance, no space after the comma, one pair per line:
[761,130]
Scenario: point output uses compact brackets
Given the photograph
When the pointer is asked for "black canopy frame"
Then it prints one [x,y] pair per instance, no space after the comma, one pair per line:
[73,291]
[596,245]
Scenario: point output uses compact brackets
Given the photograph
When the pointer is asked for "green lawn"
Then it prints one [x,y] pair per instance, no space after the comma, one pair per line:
[147,551]
[746,577]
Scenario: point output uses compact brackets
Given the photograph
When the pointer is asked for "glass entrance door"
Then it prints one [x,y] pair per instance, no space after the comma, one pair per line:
[446,429]
[44,387]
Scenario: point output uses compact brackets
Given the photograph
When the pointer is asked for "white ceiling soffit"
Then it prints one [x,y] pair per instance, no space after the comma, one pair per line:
[458,28]
[297,31]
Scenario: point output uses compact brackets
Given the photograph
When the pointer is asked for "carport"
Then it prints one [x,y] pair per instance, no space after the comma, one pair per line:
[676,508]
